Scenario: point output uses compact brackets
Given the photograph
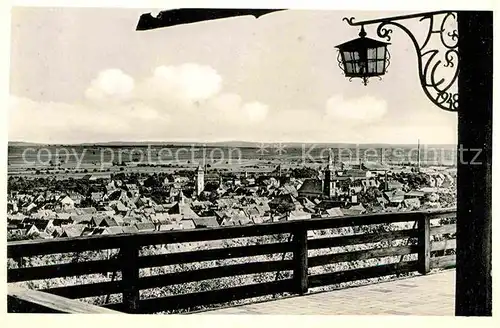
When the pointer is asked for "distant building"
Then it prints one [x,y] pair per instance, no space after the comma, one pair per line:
[67,203]
[200,181]
[40,226]
[375,167]
[205,222]
[311,188]
[357,174]
[329,186]
[324,187]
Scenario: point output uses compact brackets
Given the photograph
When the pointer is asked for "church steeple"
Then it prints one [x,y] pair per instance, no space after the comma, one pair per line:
[418,156]
[200,180]
[327,182]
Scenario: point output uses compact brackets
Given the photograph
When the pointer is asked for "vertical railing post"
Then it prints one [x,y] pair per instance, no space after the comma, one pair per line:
[300,275]
[130,277]
[424,244]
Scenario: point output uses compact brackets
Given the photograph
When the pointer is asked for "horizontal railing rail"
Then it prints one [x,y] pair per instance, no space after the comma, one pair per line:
[24,300]
[305,255]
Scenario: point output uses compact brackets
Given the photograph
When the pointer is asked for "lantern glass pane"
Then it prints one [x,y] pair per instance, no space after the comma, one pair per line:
[372,53]
[347,56]
[355,55]
[381,53]
[381,66]
[349,68]
[372,66]
[356,67]
[360,67]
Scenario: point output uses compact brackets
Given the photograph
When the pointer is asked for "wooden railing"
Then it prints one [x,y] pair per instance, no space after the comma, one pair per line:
[416,241]
[23,300]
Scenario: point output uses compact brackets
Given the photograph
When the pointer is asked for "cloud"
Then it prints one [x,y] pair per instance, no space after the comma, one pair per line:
[187,102]
[186,83]
[255,111]
[227,102]
[173,102]
[228,109]
[110,83]
[366,108]
[61,122]
[224,117]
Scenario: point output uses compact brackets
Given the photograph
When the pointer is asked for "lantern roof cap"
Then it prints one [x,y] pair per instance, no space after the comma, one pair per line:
[362,42]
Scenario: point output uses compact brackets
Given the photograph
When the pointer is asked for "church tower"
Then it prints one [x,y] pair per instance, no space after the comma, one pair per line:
[200,180]
[327,183]
[418,156]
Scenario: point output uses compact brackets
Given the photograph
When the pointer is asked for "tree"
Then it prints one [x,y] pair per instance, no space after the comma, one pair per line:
[370,195]
[282,205]
[15,236]
[304,173]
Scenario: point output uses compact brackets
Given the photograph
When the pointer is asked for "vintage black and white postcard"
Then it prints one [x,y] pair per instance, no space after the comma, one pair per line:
[269,159]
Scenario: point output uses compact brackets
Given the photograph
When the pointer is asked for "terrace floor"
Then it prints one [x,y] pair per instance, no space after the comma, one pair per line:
[433,294]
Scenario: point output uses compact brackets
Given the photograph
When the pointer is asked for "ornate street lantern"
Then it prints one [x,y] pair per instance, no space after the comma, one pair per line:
[363,57]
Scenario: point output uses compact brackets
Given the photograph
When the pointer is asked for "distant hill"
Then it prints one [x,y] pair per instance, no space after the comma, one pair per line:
[24,144]
[238,144]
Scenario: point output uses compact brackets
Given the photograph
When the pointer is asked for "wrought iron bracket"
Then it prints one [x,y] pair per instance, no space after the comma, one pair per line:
[442,92]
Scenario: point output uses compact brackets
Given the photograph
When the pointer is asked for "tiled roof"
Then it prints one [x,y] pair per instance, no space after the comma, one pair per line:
[113,230]
[334,211]
[73,230]
[205,222]
[375,166]
[130,229]
[311,186]
[187,224]
[145,226]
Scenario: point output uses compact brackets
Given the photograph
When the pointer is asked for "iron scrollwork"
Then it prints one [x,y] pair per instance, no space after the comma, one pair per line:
[431,59]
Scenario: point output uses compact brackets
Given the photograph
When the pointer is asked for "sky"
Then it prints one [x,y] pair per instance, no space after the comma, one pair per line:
[85,75]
